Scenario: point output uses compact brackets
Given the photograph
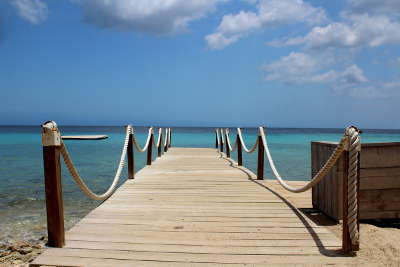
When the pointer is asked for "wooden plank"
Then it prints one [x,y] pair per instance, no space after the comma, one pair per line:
[216,258]
[192,207]
[288,260]
[84,137]
[380,200]
[198,249]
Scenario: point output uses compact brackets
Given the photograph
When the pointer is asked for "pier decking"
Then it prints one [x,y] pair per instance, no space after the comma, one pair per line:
[194,207]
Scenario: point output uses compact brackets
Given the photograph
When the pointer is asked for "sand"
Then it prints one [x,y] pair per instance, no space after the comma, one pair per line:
[19,253]
[379,239]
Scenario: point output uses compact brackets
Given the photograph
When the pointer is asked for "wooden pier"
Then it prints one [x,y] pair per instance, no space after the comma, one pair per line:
[193,207]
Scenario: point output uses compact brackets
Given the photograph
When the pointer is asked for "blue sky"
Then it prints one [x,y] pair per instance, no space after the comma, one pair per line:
[279,63]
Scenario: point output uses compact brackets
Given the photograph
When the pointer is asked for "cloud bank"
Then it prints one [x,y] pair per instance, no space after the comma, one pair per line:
[269,13]
[33,11]
[150,16]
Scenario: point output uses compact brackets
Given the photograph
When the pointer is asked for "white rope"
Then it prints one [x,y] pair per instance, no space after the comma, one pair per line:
[169,136]
[147,141]
[75,175]
[166,137]
[218,141]
[352,179]
[229,141]
[317,178]
[159,138]
[244,144]
[350,139]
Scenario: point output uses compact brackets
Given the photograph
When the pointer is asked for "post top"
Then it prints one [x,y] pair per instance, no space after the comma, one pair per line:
[51,125]
[50,134]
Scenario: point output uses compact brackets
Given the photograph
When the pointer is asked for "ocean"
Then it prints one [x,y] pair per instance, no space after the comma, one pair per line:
[22,206]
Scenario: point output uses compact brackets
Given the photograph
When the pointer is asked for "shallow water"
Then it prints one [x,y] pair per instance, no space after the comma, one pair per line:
[22,207]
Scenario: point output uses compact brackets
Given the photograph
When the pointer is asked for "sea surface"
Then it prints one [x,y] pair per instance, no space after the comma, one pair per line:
[22,206]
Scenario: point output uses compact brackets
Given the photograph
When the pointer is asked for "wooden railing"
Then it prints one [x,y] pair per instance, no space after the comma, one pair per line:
[348,245]
[54,148]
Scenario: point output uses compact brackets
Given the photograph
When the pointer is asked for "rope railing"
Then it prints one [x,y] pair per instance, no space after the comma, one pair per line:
[157,145]
[349,145]
[54,148]
[82,185]
[137,145]
[228,141]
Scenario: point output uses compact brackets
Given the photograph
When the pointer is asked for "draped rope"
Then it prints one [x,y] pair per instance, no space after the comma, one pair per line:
[317,178]
[218,140]
[252,149]
[166,137]
[232,149]
[169,136]
[350,141]
[136,143]
[82,185]
[159,138]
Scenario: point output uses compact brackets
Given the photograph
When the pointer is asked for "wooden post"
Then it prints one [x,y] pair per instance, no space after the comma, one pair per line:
[346,240]
[216,139]
[150,149]
[239,151]
[160,146]
[356,247]
[166,138]
[221,144]
[131,158]
[170,137]
[228,152]
[260,162]
[51,139]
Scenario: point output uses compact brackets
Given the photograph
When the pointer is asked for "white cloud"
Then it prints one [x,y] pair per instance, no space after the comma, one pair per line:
[269,13]
[295,68]
[375,6]
[152,16]
[383,90]
[303,68]
[34,11]
[359,31]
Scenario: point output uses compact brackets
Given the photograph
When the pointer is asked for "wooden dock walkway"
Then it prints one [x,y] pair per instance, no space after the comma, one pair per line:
[194,207]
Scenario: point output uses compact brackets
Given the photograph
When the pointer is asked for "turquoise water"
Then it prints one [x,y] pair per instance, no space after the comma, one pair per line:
[22,207]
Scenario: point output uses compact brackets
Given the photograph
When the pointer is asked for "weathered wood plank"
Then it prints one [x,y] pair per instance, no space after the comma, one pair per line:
[194,207]
[84,137]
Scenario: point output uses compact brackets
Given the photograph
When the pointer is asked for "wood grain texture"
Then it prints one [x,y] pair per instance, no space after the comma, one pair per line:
[84,137]
[379,181]
[194,207]
[54,196]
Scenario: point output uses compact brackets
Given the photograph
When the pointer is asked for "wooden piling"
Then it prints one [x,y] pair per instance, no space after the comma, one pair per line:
[260,162]
[131,160]
[216,139]
[166,143]
[150,149]
[239,151]
[54,197]
[159,148]
[346,240]
[170,138]
[228,151]
[347,245]
[221,144]
[357,246]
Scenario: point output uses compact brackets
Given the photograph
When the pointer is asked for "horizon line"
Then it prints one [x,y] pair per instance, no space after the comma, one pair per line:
[163,126]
